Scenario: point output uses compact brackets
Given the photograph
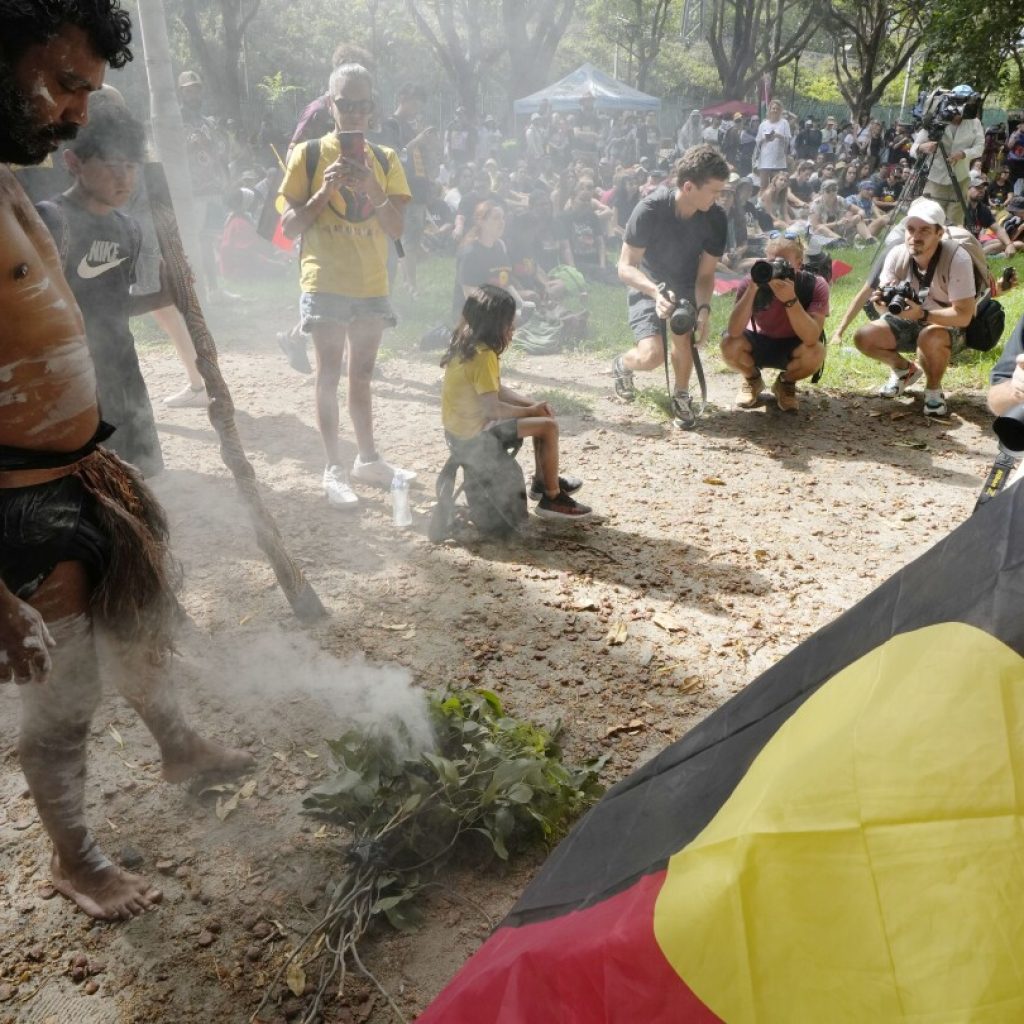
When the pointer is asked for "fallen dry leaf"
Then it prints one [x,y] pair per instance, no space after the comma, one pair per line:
[715,481]
[691,684]
[225,807]
[247,790]
[617,633]
[667,623]
[396,628]
[311,754]
[117,736]
[296,978]
[630,727]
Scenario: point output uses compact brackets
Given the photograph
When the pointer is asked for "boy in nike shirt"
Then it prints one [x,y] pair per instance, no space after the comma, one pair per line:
[99,247]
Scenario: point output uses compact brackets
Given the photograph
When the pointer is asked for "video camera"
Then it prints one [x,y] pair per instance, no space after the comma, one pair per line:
[684,316]
[777,269]
[897,297]
[942,105]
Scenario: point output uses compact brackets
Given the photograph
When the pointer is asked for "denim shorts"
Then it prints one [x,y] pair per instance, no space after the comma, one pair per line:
[906,331]
[325,308]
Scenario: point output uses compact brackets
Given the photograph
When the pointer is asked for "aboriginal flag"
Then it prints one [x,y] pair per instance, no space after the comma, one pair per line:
[841,842]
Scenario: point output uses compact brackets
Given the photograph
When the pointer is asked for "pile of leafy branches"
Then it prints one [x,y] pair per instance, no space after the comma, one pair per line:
[491,780]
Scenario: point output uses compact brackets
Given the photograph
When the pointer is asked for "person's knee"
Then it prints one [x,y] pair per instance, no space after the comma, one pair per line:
[62,707]
[867,338]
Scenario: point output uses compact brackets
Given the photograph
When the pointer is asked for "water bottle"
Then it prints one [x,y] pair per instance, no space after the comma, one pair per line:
[400,510]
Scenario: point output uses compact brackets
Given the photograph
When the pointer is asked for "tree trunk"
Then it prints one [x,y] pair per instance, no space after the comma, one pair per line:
[168,129]
[531,54]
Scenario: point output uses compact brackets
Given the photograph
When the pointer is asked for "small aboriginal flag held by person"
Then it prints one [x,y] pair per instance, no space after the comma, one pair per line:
[841,842]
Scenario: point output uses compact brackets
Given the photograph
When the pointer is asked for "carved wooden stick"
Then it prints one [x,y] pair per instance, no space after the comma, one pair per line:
[301,595]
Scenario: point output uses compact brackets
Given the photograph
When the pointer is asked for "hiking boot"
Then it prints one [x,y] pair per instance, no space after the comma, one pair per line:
[935,404]
[785,394]
[622,378]
[377,472]
[899,381]
[188,398]
[567,485]
[294,349]
[682,410]
[339,494]
[749,394]
[563,506]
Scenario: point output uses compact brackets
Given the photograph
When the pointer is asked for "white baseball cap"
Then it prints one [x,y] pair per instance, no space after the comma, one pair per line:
[927,210]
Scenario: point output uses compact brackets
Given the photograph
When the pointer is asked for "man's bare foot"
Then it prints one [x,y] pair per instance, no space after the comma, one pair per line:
[107,893]
[204,757]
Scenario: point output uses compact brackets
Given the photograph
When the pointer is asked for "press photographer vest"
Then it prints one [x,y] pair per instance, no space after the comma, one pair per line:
[955,238]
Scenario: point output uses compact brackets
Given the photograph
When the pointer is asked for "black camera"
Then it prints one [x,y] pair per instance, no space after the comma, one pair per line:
[897,297]
[777,269]
[684,316]
[1009,428]
[942,105]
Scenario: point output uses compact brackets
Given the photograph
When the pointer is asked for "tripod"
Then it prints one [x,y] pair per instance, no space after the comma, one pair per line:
[916,183]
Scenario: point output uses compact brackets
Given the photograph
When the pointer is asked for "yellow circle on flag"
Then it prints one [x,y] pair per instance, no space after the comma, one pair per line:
[869,867]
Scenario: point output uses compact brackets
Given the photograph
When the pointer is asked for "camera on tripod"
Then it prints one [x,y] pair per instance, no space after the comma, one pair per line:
[684,316]
[898,297]
[777,269]
[942,105]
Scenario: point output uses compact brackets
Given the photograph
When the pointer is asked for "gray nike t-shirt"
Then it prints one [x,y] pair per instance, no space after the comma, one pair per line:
[99,254]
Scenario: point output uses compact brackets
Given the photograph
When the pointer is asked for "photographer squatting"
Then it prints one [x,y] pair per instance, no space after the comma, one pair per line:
[926,298]
[777,323]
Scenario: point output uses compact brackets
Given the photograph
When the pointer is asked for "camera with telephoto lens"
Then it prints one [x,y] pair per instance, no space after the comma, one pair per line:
[777,269]
[684,316]
[897,297]
[942,105]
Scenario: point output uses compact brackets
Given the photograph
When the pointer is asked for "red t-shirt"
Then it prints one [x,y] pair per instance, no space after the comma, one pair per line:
[773,321]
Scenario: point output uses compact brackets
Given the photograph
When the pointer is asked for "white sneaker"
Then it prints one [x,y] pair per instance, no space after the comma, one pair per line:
[339,494]
[935,404]
[378,473]
[899,381]
[188,398]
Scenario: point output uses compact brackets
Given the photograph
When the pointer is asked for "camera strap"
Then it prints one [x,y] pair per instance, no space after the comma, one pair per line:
[698,365]
[925,281]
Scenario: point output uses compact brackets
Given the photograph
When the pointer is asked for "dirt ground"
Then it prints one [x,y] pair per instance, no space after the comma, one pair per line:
[717,551]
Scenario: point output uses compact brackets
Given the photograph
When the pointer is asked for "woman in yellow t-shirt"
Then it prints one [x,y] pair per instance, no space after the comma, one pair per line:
[473,400]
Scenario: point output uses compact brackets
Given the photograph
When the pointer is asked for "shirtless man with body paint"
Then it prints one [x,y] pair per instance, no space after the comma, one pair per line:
[85,572]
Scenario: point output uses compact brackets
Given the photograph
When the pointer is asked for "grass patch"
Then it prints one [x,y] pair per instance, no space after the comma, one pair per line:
[272,303]
[565,403]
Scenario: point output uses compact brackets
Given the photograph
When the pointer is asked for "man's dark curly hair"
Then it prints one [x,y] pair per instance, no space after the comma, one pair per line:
[24,23]
[700,165]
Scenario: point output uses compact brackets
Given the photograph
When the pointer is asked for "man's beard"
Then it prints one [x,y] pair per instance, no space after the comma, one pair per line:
[22,139]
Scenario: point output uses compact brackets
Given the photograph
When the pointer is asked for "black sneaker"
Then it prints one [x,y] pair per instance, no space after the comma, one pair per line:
[568,485]
[295,352]
[623,381]
[562,507]
[682,411]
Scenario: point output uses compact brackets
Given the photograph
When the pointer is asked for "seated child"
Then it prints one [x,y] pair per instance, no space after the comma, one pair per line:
[99,247]
[473,399]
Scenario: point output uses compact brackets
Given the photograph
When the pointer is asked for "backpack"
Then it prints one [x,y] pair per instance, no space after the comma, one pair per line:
[986,327]
[493,483]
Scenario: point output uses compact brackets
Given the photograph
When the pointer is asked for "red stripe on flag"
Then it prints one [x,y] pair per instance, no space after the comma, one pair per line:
[602,965]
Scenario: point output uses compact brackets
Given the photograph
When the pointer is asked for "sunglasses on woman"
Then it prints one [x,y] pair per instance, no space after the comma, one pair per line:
[352,106]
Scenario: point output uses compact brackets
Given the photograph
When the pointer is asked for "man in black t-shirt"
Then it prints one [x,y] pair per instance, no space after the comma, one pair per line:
[675,237]
[980,219]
